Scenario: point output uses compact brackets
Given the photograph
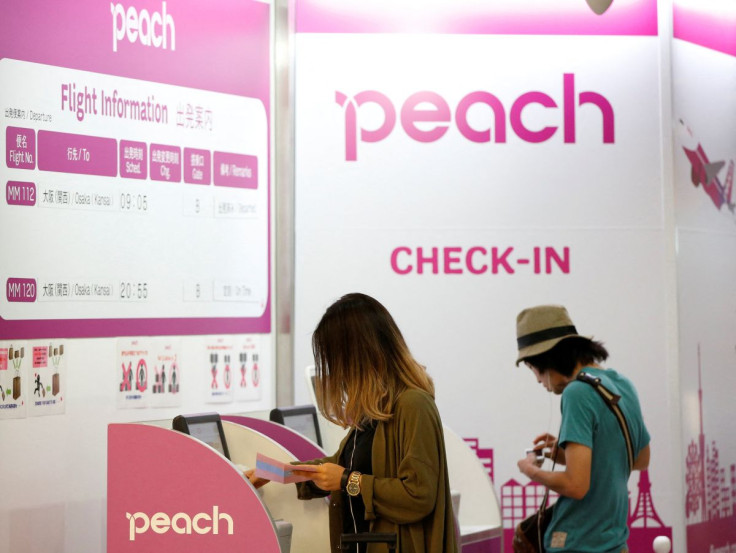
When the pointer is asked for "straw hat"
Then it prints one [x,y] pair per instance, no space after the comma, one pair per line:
[540,328]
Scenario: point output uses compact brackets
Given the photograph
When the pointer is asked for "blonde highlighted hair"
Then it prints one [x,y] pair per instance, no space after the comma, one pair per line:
[362,362]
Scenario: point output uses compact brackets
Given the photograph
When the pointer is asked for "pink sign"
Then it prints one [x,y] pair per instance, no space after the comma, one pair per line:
[133,159]
[21,290]
[236,170]
[199,39]
[185,44]
[20,193]
[40,357]
[165,163]
[167,491]
[562,17]
[197,164]
[706,27]
[20,148]
[76,153]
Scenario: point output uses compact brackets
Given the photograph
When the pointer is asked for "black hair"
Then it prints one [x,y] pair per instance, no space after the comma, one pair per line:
[566,355]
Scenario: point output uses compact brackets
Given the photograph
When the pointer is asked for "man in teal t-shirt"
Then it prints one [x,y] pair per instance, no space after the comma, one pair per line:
[591,512]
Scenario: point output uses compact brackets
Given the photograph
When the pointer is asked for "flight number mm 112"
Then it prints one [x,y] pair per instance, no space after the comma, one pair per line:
[133,290]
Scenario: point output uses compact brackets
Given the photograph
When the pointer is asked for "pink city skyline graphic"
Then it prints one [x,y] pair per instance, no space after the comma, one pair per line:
[710,501]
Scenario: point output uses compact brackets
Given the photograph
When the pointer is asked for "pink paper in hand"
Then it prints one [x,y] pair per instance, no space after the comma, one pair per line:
[278,471]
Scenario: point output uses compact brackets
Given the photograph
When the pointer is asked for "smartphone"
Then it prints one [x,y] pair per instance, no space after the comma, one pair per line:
[538,452]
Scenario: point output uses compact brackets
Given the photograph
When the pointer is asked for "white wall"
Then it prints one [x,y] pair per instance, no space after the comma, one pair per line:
[362,214]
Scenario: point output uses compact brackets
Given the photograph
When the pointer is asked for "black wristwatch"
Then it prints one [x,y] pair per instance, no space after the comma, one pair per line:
[344,479]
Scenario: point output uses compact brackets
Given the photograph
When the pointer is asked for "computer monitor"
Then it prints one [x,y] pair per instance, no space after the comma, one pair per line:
[300,418]
[206,427]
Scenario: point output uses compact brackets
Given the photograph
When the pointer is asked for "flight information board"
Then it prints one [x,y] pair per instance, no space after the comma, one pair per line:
[136,206]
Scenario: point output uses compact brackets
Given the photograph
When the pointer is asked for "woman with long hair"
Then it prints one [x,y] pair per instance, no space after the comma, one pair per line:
[390,471]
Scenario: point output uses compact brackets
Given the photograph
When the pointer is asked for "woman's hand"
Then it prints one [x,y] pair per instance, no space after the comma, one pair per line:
[326,477]
[255,480]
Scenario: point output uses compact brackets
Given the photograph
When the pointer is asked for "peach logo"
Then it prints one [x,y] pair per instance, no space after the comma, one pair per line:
[426,116]
[156,29]
[180,523]
[599,6]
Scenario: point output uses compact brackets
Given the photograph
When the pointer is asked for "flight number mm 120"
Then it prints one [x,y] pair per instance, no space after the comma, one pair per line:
[133,290]
[21,290]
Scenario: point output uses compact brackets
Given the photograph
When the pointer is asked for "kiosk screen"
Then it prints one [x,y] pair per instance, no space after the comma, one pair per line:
[302,419]
[206,427]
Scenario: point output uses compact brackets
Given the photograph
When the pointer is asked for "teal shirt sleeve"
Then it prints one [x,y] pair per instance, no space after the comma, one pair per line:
[579,415]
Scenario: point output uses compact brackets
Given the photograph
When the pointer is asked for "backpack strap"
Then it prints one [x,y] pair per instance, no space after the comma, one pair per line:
[611,400]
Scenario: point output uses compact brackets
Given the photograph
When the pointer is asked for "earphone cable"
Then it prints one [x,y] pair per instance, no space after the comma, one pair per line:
[350,497]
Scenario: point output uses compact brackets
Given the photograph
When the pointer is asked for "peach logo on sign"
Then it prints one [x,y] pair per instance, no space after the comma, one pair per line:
[156,29]
[426,116]
[180,523]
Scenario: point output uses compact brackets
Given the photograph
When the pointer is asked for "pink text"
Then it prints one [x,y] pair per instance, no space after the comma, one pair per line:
[478,260]
[426,116]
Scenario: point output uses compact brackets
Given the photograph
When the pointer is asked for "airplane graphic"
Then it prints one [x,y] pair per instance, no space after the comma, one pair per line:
[704,172]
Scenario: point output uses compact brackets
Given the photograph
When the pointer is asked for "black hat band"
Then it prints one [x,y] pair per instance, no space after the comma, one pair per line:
[544,335]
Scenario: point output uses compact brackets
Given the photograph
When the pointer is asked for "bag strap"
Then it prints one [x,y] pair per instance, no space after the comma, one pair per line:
[611,400]
[543,504]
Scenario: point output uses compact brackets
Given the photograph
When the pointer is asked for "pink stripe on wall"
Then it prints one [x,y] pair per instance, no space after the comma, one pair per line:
[623,17]
[716,31]
[109,328]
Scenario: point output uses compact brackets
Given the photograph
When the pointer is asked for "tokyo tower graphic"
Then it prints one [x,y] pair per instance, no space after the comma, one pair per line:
[520,501]
[645,515]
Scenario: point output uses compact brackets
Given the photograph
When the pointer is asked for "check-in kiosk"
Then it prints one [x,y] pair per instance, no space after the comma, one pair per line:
[301,447]
[478,513]
[165,486]
[168,491]
[309,519]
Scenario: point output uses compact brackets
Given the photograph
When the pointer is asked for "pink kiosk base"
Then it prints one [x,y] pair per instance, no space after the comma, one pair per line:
[168,492]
